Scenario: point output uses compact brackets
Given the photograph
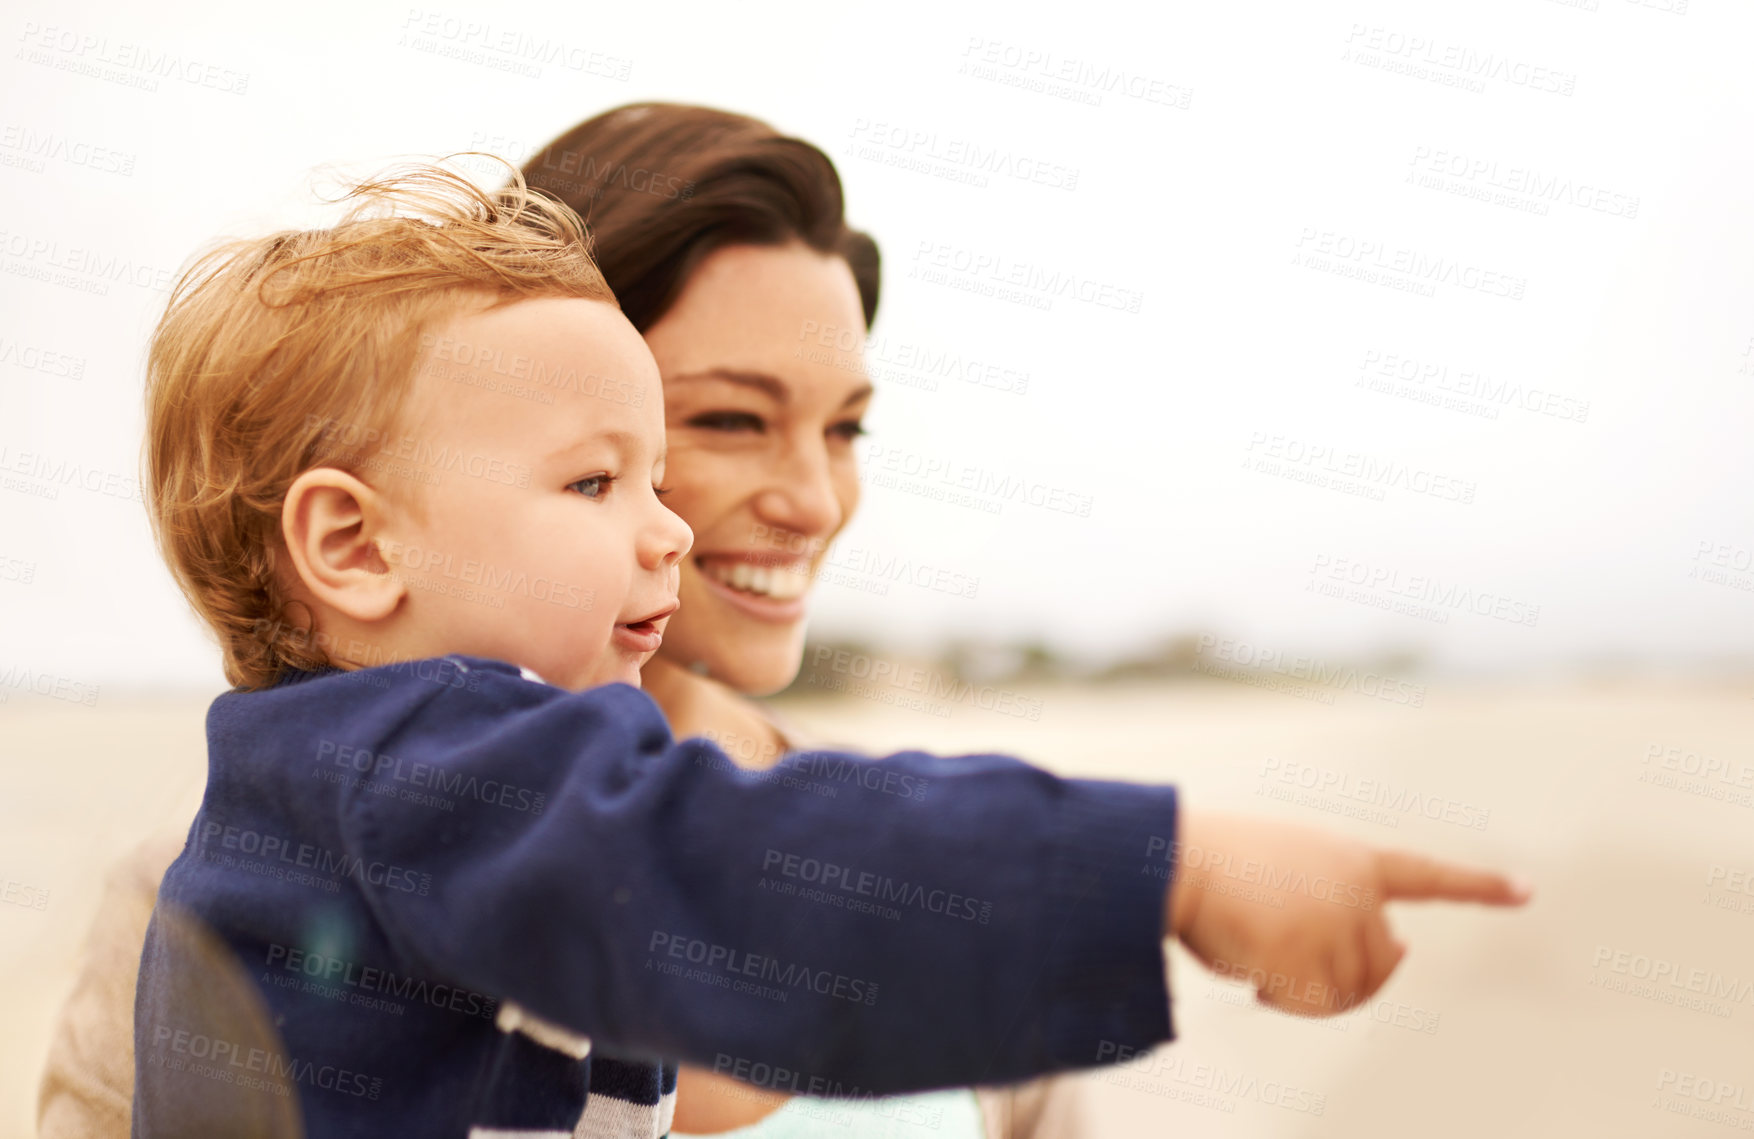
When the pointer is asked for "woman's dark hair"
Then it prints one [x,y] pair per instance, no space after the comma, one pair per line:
[661,185]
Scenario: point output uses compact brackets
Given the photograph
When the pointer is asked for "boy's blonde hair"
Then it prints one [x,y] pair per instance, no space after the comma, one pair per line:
[268,344]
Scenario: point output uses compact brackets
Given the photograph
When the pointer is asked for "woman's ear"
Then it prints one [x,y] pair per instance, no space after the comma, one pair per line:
[330,523]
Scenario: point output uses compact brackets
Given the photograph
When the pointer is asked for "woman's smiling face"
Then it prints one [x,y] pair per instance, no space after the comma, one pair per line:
[762,358]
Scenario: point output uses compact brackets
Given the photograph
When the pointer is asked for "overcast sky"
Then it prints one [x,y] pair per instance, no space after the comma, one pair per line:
[1299,314]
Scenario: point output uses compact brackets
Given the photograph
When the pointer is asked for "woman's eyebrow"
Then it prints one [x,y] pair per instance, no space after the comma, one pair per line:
[774,387]
[760,381]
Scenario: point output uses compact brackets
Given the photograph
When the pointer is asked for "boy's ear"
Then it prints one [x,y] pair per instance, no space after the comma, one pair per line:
[330,522]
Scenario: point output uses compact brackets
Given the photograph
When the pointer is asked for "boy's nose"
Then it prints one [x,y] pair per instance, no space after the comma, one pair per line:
[666,541]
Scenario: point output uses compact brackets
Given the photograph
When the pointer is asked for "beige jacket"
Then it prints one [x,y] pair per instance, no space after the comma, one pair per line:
[88,1087]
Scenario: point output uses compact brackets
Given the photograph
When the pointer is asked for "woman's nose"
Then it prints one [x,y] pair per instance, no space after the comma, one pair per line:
[801,496]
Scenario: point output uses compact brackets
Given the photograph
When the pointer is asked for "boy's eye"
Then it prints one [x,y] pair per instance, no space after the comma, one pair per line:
[849,430]
[593,487]
[729,421]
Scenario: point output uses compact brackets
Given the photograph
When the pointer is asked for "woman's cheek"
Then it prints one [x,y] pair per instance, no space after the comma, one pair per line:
[697,482]
[847,487]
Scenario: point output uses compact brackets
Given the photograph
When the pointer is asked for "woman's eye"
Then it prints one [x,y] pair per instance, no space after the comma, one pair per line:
[849,430]
[594,487]
[728,421]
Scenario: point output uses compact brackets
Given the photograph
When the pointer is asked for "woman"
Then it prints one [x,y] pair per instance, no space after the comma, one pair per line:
[723,241]
[726,245]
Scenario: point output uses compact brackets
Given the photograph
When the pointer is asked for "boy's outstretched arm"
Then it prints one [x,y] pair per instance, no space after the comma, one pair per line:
[883,925]
[880,925]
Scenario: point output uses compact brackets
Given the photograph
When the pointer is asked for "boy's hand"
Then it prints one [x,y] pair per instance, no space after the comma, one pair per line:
[1298,912]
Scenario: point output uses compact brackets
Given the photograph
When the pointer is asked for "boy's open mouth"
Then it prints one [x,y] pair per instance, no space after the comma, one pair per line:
[645,634]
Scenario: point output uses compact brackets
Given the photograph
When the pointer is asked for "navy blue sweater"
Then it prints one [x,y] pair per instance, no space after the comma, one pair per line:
[411,890]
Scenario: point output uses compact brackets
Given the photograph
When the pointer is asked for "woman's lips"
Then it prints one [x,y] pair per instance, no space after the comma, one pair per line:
[764,588]
[762,575]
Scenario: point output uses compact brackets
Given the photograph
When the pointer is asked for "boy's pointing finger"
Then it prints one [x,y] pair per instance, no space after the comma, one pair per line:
[1414,877]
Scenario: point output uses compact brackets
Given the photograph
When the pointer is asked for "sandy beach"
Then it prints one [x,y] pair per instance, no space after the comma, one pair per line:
[1620,1003]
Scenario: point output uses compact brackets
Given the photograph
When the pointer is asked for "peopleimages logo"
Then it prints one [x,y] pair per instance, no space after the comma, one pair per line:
[442,571]
[773,1077]
[34,358]
[1416,595]
[980,270]
[963,159]
[1199,867]
[1319,463]
[48,470]
[1536,187]
[1469,390]
[819,773]
[1420,56]
[638,179]
[843,670]
[1669,981]
[22,894]
[909,363]
[717,960]
[1719,1094]
[509,49]
[1066,77]
[383,767]
[47,684]
[84,269]
[1396,800]
[948,478]
[1368,256]
[481,365]
[420,455]
[133,64]
[1167,1072]
[335,971]
[239,1063]
[1252,660]
[831,875]
[273,849]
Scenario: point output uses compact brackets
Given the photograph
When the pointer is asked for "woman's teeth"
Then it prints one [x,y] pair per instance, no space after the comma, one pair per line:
[782,583]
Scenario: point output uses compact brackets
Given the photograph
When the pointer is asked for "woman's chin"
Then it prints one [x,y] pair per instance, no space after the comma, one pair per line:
[758,674]
[753,666]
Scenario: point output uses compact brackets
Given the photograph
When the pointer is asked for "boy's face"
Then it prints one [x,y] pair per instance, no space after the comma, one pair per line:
[523,517]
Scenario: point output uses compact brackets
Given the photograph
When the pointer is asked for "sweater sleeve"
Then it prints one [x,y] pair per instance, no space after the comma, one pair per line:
[835,924]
